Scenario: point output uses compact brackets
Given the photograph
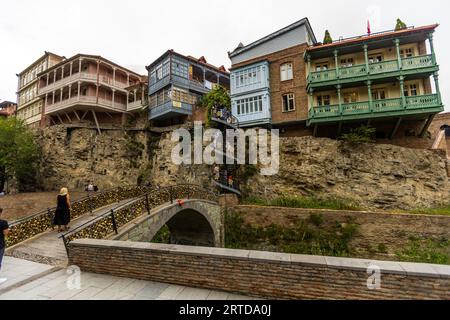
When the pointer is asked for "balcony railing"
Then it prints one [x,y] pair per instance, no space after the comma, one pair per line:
[82,76]
[84,99]
[377,107]
[170,107]
[136,104]
[410,63]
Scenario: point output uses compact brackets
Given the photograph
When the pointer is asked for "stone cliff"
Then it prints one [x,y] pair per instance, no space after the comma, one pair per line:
[374,175]
[71,157]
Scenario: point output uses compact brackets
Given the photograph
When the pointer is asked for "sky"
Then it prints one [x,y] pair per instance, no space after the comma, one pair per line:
[133,33]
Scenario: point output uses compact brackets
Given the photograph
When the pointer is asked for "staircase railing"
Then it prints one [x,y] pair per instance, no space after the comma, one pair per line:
[35,224]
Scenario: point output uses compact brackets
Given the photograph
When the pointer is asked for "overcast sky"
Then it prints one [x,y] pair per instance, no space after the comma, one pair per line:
[133,33]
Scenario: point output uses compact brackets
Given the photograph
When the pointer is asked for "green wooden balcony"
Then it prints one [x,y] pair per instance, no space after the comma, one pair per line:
[424,104]
[412,65]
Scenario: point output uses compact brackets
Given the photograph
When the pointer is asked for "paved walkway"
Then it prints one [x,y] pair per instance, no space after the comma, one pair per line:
[47,247]
[56,285]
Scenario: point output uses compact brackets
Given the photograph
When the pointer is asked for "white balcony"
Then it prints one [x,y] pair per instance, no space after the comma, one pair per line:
[83,101]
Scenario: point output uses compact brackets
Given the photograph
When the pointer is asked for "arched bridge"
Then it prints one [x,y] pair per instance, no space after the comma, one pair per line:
[191,213]
[190,222]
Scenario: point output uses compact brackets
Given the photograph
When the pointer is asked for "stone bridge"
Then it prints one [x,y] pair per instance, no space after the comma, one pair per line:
[191,222]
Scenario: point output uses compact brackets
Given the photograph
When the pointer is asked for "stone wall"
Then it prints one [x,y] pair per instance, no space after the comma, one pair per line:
[263,274]
[374,175]
[375,230]
[73,156]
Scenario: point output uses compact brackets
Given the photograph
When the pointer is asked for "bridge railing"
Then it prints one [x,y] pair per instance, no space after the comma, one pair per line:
[35,224]
[108,223]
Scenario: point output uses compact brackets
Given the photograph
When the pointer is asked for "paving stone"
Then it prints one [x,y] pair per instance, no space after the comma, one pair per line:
[193,294]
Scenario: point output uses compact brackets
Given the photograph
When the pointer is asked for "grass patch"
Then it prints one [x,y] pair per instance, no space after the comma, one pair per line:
[307,237]
[443,211]
[429,251]
[305,202]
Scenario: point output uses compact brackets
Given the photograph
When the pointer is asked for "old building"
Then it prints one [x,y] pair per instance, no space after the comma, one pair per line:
[268,77]
[29,104]
[7,109]
[381,80]
[176,83]
[85,88]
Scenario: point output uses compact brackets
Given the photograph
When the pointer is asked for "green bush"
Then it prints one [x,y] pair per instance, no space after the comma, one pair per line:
[363,134]
[400,25]
[163,235]
[306,237]
[327,38]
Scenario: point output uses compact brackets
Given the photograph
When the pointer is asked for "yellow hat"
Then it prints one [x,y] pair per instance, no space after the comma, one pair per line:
[63,192]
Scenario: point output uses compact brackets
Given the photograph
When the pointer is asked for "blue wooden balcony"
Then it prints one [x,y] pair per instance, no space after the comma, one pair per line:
[170,109]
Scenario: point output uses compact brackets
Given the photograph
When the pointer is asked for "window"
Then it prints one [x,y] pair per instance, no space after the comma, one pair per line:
[345,63]
[407,52]
[288,102]
[323,100]
[322,66]
[350,97]
[248,77]
[249,105]
[379,94]
[159,72]
[375,58]
[286,72]
[411,90]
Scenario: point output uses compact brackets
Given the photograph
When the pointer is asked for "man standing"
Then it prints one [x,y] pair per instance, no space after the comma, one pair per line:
[4,230]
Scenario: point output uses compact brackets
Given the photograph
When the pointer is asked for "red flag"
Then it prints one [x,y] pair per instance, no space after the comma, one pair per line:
[368,28]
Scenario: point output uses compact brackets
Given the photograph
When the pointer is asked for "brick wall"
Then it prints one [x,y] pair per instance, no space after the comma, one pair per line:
[263,274]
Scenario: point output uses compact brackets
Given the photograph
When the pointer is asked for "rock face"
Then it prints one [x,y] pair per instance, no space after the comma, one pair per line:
[374,175]
[165,172]
[72,157]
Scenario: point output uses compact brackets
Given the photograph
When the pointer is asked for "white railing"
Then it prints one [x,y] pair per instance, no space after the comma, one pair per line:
[135,105]
[85,99]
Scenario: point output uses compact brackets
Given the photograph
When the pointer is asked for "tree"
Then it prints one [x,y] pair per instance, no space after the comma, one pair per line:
[19,154]
[216,98]
[400,25]
[327,39]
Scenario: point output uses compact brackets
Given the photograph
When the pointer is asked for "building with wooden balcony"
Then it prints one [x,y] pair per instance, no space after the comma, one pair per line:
[7,109]
[29,103]
[86,89]
[268,78]
[176,84]
[382,80]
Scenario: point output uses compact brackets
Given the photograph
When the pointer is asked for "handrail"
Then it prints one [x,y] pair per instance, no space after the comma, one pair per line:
[146,196]
[34,215]
[101,216]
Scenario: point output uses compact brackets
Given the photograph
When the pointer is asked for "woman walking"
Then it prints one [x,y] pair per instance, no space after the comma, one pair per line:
[62,213]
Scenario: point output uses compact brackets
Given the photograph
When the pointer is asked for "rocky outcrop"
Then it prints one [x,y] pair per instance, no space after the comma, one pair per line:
[374,175]
[71,157]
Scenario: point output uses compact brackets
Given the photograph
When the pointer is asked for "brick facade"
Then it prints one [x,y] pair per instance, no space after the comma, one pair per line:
[261,274]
